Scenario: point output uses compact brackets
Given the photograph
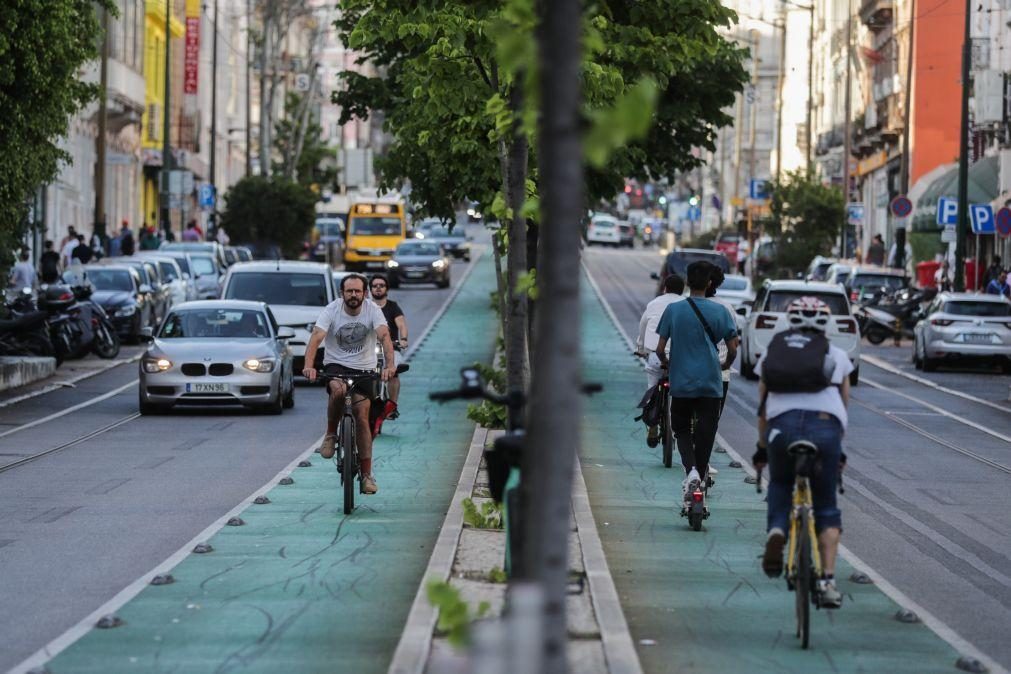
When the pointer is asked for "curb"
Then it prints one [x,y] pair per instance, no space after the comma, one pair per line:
[17,372]
[114,363]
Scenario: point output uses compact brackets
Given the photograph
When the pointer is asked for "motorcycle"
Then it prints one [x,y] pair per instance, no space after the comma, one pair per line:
[648,236]
[25,332]
[79,325]
[893,315]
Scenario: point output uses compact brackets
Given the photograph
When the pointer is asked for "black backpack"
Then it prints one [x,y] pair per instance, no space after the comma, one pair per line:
[651,404]
[797,362]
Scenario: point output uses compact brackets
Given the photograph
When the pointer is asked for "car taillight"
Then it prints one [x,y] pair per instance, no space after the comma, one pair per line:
[854,296]
[847,325]
[765,322]
[66,296]
[941,322]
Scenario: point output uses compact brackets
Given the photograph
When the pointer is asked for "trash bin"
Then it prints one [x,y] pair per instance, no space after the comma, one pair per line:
[971,275]
[925,273]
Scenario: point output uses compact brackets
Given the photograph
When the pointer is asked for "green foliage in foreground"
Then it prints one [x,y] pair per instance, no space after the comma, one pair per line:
[276,211]
[488,516]
[454,613]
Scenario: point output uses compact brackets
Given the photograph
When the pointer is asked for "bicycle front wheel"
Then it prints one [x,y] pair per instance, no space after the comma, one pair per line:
[668,435]
[802,586]
[349,463]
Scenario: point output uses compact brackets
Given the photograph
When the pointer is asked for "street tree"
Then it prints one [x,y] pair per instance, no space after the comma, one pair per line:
[298,142]
[43,46]
[270,211]
[806,216]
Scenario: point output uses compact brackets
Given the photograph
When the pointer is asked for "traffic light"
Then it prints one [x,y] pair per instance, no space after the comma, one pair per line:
[693,200]
[662,200]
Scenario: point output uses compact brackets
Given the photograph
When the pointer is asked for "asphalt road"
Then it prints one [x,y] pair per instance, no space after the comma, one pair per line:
[124,492]
[927,493]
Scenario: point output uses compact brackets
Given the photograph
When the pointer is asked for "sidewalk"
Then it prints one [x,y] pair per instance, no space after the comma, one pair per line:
[297,586]
[698,602]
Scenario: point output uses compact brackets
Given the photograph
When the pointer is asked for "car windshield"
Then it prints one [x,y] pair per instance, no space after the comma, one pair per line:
[215,323]
[141,269]
[375,226]
[604,224]
[779,300]
[820,271]
[413,248]
[329,227]
[971,308]
[230,256]
[678,262]
[202,265]
[734,283]
[439,232]
[168,270]
[111,279]
[184,265]
[308,290]
[878,281]
[189,246]
[244,255]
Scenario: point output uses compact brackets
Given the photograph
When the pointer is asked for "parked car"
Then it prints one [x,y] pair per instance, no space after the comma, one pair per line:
[326,241]
[207,275]
[768,318]
[456,242]
[160,295]
[963,326]
[296,292]
[603,229]
[245,253]
[419,261]
[185,263]
[677,262]
[838,272]
[728,243]
[181,286]
[818,269]
[212,248]
[626,234]
[218,353]
[124,297]
[863,282]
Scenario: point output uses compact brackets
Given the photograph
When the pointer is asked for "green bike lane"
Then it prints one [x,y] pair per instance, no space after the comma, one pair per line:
[698,601]
[300,587]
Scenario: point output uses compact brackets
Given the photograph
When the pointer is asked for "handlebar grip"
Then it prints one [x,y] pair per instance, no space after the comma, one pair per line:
[444,395]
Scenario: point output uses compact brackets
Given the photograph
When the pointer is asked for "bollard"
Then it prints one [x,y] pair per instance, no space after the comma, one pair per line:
[524,627]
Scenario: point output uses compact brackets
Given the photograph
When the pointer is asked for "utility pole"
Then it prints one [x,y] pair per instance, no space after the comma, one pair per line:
[556,381]
[103,116]
[908,106]
[753,113]
[779,98]
[847,150]
[249,88]
[962,231]
[214,120]
[166,146]
[809,134]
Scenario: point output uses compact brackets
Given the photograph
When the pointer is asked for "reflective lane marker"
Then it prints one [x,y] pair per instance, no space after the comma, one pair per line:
[79,406]
[883,365]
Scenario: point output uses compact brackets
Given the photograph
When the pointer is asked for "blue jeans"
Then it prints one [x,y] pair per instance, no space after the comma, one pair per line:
[825,432]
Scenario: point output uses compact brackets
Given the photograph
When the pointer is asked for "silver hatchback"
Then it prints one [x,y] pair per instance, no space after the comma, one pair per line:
[227,352]
[963,326]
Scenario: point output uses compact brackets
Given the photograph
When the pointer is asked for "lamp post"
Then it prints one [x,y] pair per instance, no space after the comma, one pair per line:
[962,230]
[166,146]
[214,120]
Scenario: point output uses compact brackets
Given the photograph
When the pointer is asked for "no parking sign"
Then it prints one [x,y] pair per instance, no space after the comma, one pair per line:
[901,206]
[1003,219]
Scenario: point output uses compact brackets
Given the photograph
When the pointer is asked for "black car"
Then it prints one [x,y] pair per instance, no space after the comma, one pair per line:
[455,241]
[419,261]
[124,297]
[677,263]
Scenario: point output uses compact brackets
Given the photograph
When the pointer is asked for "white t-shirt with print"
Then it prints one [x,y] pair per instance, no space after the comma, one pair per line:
[350,340]
[828,400]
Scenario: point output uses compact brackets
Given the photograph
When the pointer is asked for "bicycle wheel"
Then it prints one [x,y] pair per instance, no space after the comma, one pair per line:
[804,581]
[349,462]
[668,435]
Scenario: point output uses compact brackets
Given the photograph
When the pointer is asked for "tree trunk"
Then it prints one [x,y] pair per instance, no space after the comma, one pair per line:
[500,283]
[553,438]
[517,356]
[264,141]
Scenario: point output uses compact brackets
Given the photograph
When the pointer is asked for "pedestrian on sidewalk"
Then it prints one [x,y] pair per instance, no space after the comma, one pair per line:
[876,251]
[49,263]
[23,273]
[999,285]
[67,251]
[190,233]
[82,252]
[71,234]
[126,243]
[992,272]
[694,328]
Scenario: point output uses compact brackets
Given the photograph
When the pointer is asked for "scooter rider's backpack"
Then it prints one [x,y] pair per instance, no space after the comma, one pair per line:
[651,405]
[797,362]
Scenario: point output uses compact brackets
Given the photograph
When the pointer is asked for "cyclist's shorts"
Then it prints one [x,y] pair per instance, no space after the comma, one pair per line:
[366,387]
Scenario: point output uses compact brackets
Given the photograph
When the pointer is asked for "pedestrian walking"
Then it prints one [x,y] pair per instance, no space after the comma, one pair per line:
[126,242]
[71,235]
[23,274]
[190,233]
[999,286]
[82,252]
[992,272]
[67,251]
[49,263]
[97,247]
[876,251]
[222,236]
[942,277]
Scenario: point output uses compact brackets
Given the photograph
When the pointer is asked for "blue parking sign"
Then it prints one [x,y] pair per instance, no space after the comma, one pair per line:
[947,211]
[981,216]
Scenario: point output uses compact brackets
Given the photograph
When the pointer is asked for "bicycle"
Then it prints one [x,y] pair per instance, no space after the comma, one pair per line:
[383,406]
[666,433]
[346,456]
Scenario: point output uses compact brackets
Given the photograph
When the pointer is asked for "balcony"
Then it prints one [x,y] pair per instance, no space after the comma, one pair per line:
[876,14]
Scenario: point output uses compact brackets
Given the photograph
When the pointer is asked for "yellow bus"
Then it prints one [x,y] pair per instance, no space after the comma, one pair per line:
[374,230]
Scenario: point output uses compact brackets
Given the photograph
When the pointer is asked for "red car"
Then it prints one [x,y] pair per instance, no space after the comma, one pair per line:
[728,244]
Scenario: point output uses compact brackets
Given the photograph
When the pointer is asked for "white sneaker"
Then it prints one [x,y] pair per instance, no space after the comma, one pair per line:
[713,471]
[691,483]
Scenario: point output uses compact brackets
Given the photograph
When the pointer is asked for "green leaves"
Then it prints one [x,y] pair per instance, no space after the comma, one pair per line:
[808,217]
[454,613]
[627,119]
[270,210]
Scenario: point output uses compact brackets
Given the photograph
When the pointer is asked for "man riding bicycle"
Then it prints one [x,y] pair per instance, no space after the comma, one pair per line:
[396,321]
[694,328]
[645,345]
[804,393]
[348,328]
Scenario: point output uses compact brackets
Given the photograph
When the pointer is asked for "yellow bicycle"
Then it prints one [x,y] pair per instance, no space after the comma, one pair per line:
[803,560]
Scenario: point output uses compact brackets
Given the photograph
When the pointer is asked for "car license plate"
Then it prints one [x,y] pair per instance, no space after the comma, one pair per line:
[207,388]
[976,338]
[415,274]
[375,265]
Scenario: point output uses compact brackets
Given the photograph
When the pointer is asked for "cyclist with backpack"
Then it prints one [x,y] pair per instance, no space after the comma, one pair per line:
[694,328]
[804,392]
[645,345]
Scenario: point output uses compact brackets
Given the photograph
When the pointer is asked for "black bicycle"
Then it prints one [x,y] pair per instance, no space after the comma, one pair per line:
[666,433]
[347,445]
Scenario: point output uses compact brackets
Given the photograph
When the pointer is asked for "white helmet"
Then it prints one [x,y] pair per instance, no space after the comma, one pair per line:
[808,312]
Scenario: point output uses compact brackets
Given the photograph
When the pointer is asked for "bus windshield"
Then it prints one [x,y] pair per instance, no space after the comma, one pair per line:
[373,226]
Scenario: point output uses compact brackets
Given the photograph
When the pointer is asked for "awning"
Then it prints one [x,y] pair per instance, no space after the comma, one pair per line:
[983,186]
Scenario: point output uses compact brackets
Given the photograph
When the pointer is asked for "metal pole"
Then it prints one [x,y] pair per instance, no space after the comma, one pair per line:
[847,132]
[908,106]
[103,117]
[166,146]
[809,133]
[214,120]
[753,116]
[779,99]
[962,230]
[249,88]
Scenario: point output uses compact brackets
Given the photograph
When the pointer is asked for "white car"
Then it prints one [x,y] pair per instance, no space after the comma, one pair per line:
[296,293]
[604,230]
[181,287]
[768,317]
[737,291]
[964,326]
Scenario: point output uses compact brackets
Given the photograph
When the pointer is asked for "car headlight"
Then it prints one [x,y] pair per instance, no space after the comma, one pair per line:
[127,310]
[259,364]
[439,264]
[419,235]
[392,264]
[153,365]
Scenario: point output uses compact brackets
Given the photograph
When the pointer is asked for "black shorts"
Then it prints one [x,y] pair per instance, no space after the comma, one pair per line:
[366,387]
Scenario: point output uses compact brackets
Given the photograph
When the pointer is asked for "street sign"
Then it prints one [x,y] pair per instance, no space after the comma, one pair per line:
[981,216]
[694,213]
[947,211]
[901,206]
[1003,220]
[758,189]
[302,82]
[206,195]
[855,213]
[948,234]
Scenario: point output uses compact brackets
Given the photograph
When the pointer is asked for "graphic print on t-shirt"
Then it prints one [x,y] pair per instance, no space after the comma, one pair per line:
[351,337]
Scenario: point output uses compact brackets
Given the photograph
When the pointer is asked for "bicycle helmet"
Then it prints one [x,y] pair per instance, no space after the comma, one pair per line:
[808,312]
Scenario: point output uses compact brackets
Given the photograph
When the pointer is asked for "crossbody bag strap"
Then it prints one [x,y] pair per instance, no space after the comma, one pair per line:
[705,323]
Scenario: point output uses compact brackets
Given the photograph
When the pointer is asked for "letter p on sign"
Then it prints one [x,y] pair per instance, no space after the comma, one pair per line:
[947,211]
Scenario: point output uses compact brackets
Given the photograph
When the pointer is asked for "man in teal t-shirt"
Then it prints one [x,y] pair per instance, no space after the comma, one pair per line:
[694,328]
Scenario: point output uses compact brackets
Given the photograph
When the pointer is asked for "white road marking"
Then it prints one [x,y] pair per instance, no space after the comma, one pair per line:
[79,406]
[64,383]
[887,367]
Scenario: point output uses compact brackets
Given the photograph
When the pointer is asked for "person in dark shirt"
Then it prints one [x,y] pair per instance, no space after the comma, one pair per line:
[379,287]
[83,251]
[49,264]
[127,246]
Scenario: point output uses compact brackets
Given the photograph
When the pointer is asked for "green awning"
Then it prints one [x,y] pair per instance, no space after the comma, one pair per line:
[982,190]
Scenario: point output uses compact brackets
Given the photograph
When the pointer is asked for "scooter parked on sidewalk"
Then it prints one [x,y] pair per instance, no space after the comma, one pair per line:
[25,331]
[78,325]
[892,315]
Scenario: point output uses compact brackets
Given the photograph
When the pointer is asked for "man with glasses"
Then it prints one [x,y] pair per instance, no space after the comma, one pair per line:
[397,322]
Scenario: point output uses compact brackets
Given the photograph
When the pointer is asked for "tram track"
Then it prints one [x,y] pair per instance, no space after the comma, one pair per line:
[83,438]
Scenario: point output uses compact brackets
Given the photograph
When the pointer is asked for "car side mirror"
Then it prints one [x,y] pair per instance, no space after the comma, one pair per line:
[742,311]
[285,333]
[654,275]
[146,334]
[145,289]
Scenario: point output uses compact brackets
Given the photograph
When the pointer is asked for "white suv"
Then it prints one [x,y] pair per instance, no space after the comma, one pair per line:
[768,317]
[296,293]
[603,229]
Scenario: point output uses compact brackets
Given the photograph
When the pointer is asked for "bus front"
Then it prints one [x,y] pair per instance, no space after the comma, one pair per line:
[374,230]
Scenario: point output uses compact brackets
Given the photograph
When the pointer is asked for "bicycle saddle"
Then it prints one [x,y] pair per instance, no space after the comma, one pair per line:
[802,448]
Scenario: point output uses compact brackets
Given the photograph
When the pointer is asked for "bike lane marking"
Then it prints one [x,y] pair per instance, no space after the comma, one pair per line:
[299,586]
[699,601]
